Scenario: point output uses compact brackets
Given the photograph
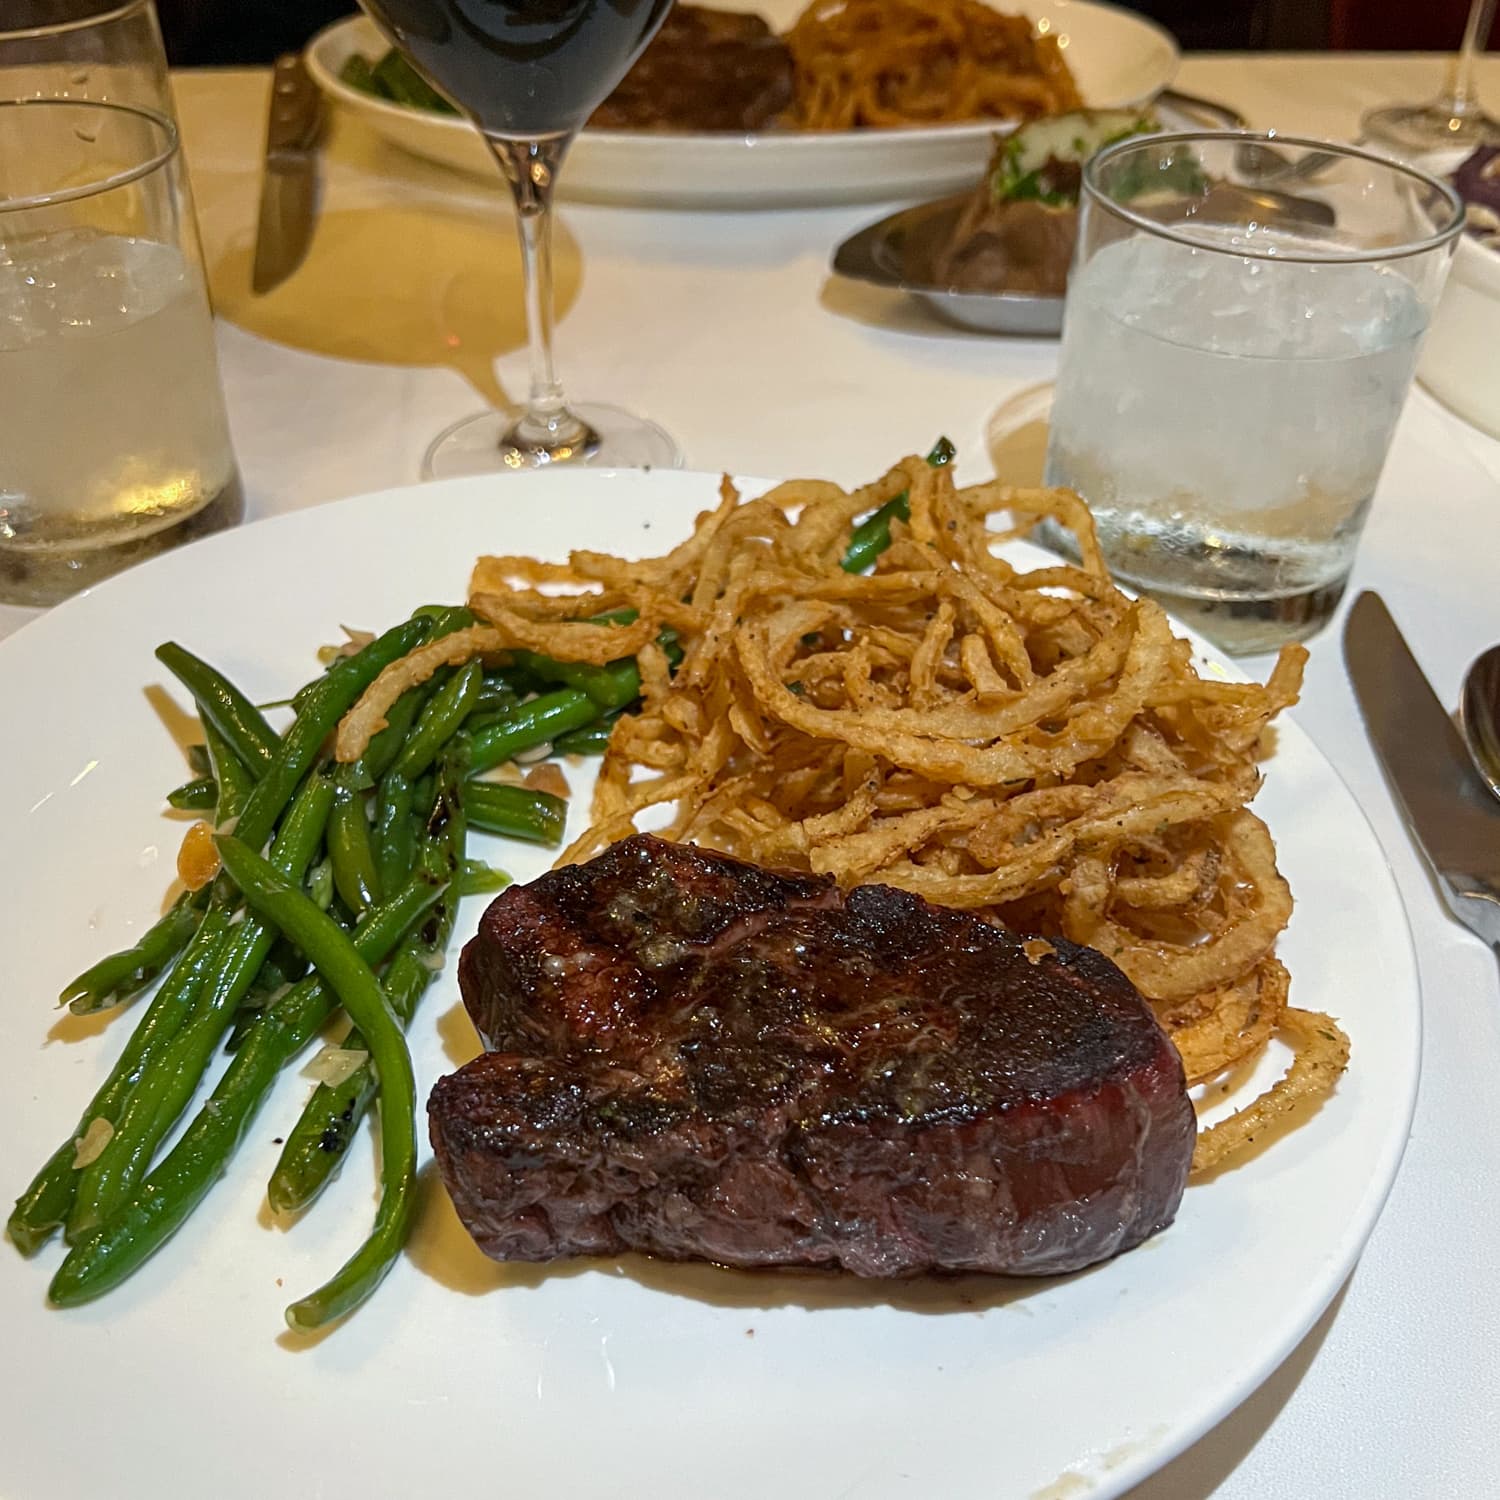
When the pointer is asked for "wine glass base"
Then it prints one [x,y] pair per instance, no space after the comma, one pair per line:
[487,444]
[1428,127]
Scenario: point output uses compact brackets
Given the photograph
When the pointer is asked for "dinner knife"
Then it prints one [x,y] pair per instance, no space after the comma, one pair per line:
[289,185]
[1203,111]
[1450,813]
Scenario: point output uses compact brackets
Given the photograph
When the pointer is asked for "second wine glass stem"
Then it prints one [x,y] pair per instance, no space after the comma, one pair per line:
[1461,94]
[531,168]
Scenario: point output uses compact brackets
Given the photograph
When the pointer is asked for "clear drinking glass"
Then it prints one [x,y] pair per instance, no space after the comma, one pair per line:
[113,440]
[1234,359]
[1455,118]
[528,73]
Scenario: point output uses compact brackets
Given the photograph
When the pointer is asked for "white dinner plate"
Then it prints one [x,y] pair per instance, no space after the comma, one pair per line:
[589,1380]
[1118,59]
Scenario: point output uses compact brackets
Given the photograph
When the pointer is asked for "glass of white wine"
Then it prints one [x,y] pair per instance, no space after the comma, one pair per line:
[113,438]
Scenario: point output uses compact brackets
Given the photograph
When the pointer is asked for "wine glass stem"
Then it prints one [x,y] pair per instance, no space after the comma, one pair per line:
[530,168]
[1461,97]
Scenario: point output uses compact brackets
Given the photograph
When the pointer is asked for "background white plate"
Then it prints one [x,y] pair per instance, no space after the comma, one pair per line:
[583,1381]
[1117,58]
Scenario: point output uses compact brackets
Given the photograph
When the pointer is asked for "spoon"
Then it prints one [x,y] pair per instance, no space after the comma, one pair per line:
[1479,716]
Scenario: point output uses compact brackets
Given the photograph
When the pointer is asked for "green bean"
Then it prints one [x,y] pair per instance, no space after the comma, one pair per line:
[273,976]
[333,695]
[610,687]
[394,77]
[477,720]
[320,884]
[224,706]
[496,695]
[671,647]
[517,812]
[442,717]
[322,1134]
[246,1019]
[394,841]
[445,828]
[123,975]
[380,754]
[424,789]
[353,981]
[43,1208]
[532,724]
[437,619]
[523,684]
[278,974]
[386,745]
[47,1201]
[163,1090]
[479,879]
[315,1158]
[446,618]
[592,739]
[357,73]
[198,795]
[350,850]
[316,1144]
[107,1255]
[231,776]
[873,535]
[340,913]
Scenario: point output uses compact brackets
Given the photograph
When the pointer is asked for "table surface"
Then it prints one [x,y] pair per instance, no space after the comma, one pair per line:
[726,328]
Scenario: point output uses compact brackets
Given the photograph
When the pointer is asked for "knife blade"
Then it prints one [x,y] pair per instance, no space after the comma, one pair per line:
[1452,817]
[289,184]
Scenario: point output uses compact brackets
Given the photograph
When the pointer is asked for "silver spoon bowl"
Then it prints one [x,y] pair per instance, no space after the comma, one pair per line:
[1479,717]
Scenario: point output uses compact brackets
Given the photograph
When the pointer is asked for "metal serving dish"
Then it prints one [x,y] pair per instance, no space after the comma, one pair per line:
[881,253]
[884,253]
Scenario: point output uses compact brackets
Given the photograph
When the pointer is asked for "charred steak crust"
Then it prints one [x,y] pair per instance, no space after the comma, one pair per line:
[698,1058]
[705,69]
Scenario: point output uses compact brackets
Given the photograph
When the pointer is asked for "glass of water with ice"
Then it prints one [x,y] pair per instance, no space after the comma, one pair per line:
[1243,320]
[113,439]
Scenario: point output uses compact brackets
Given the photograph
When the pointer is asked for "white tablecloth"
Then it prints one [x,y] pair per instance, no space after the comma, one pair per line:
[726,328]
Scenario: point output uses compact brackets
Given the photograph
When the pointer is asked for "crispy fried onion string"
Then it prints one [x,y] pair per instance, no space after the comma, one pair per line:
[1034,745]
[1320,1055]
[923,62]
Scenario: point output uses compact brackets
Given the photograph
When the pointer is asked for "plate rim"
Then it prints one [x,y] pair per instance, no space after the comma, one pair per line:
[1339,1256]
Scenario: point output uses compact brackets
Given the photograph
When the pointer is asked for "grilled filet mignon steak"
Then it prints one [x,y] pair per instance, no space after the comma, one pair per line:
[701,1059]
[705,69]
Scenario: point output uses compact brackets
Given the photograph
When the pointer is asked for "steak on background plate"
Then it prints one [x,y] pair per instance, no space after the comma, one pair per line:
[705,69]
[701,1059]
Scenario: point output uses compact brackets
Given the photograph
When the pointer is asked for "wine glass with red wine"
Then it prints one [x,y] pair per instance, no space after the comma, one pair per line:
[528,73]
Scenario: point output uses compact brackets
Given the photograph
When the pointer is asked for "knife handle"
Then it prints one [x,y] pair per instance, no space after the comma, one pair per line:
[296,106]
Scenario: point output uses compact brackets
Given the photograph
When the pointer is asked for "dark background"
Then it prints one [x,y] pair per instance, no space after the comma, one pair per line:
[256,31]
